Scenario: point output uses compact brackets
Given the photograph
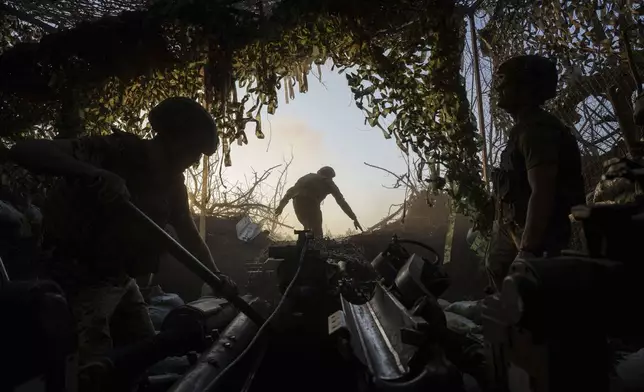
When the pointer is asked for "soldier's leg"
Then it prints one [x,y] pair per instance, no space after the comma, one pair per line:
[93,307]
[316,222]
[503,251]
[131,320]
[302,213]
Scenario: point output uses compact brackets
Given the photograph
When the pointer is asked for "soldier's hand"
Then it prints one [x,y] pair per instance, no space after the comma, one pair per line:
[278,210]
[109,186]
[356,224]
[228,288]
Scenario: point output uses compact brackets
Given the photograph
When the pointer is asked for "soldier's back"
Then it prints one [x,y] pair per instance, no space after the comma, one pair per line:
[570,177]
[313,186]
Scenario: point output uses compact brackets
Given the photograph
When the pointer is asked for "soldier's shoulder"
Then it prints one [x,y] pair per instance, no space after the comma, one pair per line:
[124,148]
[542,119]
[539,124]
[309,177]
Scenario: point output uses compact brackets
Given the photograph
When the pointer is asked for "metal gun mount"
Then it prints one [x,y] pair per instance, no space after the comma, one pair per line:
[321,276]
[396,335]
[312,282]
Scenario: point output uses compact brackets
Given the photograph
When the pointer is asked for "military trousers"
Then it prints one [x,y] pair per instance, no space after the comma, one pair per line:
[109,313]
[309,214]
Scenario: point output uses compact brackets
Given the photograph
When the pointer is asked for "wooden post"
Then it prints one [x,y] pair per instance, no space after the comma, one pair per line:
[204,195]
[205,175]
[449,234]
[479,96]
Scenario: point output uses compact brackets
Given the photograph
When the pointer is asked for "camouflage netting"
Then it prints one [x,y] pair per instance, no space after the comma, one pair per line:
[587,38]
[93,69]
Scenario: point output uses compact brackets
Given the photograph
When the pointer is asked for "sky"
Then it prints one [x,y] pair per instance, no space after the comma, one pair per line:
[323,127]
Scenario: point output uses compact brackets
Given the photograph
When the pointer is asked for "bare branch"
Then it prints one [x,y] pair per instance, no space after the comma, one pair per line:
[251,196]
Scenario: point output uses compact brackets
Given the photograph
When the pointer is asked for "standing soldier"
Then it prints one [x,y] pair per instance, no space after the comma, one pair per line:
[540,175]
[97,249]
[308,193]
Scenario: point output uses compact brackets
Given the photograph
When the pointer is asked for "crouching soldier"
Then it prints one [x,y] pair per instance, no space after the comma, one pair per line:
[97,247]
[540,176]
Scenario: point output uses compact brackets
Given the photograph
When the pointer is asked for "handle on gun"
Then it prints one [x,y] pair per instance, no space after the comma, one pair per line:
[195,266]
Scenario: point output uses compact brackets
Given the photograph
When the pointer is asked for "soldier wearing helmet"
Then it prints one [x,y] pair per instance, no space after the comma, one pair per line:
[540,177]
[96,248]
[308,193]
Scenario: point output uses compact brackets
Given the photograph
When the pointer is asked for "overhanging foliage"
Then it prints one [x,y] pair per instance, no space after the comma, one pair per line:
[402,58]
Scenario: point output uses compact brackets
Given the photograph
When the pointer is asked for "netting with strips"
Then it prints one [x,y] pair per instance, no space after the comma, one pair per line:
[584,38]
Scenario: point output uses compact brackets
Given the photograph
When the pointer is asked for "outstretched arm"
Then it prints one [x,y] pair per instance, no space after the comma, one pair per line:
[339,198]
[290,193]
[55,157]
[187,231]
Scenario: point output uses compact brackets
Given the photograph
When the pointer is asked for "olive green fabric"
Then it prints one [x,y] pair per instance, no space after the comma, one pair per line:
[308,213]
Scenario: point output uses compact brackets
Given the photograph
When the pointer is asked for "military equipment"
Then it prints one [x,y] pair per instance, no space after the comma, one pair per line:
[366,327]
[537,71]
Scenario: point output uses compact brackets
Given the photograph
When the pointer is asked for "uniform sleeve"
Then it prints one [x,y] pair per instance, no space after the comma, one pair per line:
[540,145]
[97,150]
[339,198]
[335,191]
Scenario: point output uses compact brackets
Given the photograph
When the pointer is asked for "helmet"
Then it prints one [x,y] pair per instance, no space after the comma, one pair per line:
[327,171]
[536,71]
[184,117]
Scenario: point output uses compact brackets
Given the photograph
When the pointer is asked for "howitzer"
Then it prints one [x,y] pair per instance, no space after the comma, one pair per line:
[548,329]
[338,326]
[375,326]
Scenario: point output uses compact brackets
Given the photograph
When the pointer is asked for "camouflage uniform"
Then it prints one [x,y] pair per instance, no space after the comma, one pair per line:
[97,249]
[308,193]
[538,138]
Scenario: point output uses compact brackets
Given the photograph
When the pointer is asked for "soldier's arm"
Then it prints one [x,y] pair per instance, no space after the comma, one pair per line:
[540,147]
[290,193]
[339,198]
[68,158]
[185,228]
